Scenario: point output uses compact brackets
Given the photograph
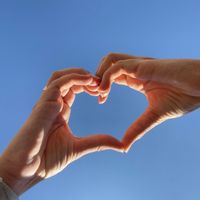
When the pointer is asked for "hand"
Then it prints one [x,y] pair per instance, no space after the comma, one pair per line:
[172,88]
[45,145]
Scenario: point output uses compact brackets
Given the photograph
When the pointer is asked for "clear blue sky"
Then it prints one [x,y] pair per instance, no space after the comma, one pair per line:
[39,37]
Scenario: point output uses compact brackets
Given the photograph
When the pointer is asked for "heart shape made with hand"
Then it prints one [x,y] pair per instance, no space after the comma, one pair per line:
[111,117]
[164,100]
[50,144]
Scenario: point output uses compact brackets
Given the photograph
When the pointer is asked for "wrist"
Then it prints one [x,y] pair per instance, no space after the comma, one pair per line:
[6,192]
[7,179]
[17,183]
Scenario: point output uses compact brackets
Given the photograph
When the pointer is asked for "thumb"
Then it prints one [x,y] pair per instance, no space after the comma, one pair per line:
[148,120]
[99,142]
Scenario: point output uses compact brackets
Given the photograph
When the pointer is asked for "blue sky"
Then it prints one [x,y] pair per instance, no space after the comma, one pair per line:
[39,37]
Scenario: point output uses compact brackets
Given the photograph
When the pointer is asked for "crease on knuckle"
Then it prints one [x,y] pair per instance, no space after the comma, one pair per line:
[55,89]
[111,57]
[138,69]
[111,54]
[81,69]
[121,67]
[55,74]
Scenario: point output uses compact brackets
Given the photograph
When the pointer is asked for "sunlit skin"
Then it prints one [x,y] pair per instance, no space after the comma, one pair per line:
[172,88]
[45,144]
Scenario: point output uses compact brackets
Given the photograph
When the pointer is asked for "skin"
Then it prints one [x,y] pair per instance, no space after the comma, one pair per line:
[45,144]
[172,88]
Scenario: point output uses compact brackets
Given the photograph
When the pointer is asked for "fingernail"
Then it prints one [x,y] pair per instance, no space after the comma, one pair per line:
[103,95]
[101,102]
[94,84]
[100,99]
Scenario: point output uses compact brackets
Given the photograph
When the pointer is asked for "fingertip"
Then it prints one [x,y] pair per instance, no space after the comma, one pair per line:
[126,149]
[99,100]
[89,79]
[102,99]
[95,81]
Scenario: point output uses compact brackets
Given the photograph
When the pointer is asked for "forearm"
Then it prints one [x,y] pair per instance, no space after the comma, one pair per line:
[19,158]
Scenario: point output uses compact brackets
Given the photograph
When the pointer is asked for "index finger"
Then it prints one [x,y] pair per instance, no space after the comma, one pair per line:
[60,73]
[112,58]
[64,83]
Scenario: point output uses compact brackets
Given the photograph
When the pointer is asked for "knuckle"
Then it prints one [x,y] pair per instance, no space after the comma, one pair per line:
[108,74]
[121,65]
[55,74]
[54,89]
[120,62]
[142,63]
[74,76]
[104,57]
[81,69]
[55,85]
[111,55]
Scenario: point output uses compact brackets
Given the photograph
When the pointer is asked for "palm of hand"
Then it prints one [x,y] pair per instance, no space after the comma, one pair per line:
[45,144]
[168,101]
[63,147]
[58,153]
[164,84]
[167,98]
[59,149]
[170,91]
[165,102]
[167,84]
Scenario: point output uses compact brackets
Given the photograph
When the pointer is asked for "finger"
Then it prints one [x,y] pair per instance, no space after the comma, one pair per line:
[78,89]
[112,73]
[124,73]
[60,73]
[121,80]
[96,143]
[92,88]
[143,124]
[69,98]
[92,93]
[109,76]
[112,58]
[71,94]
[129,68]
[102,99]
[65,112]
[133,83]
[67,81]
